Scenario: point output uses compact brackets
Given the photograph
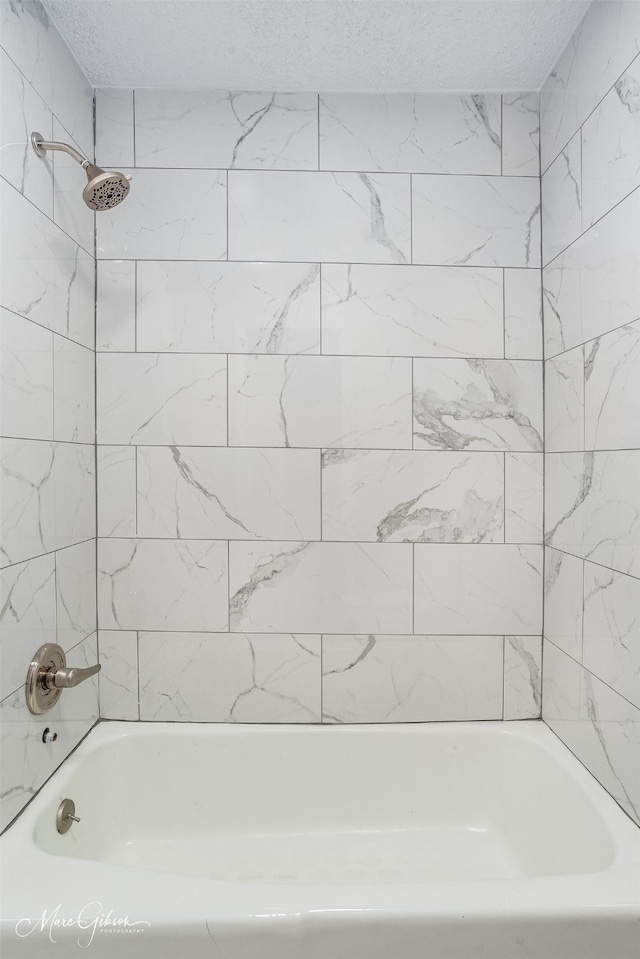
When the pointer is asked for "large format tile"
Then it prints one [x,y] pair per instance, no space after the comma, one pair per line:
[200,493]
[594,287]
[520,134]
[344,217]
[320,587]
[162,584]
[48,497]
[610,147]
[27,617]
[22,111]
[611,644]
[250,678]
[229,307]
[320,401]
[522,314]
[118,651]
[44,274]
[476,221]
[203,128]
[150,398]
[27,762]
[612,390]
[564,402]
[477,404]
[168,214]
[562,201]
[420,311]
[76,593]
[115,128]
[563,583]
[116,306]
[117,492]
[405,133]
[26,378]
[599,51]
[69,210]
[74,373]
[523,497]
[478,588]
[592,506]
[423,497]
[522,677]
[395,679]
[598,725]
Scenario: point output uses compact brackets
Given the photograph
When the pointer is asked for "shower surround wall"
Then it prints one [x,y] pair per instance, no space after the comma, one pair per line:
[320,408]
[590,126]
[47,404]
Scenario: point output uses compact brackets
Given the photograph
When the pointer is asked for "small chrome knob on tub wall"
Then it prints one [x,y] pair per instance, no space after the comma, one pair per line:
[48,675]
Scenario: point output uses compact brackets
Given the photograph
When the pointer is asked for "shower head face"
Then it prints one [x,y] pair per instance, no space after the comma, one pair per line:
[105,189]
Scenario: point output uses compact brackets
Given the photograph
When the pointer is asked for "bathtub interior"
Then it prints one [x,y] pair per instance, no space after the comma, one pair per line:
[284,805]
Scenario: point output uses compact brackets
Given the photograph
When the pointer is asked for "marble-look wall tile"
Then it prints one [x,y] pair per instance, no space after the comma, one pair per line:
[522,677]
[477,404]
[564,402]
[522,315]
[521,134]
[168,214]
[27,762]
[612,390]
[249,678]
[118,681]
[27,617]
[344,217]
[116,467]
[523,497]
[489,589]
[76,593]
[600,50]
[115,134]
[262,131]
[74,414]
[563,576]
[48,497]
[421,311]
[611,644]
[229,307]
[26,378]
[610,147]
[476,221]
[562,201]
[599,726]
[151,398]
[162,584]
[116,306]
[592,506]
[594,287]
[394,679]
[320,587]
[21,112]
[44,275]
[405,133]
[422,497]
[204,493]
[321,401]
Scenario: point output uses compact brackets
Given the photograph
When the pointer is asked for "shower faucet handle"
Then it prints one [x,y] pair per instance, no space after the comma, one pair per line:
[48,675]
[69,676]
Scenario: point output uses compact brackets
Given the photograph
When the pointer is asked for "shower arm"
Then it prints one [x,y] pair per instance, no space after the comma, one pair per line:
[42,146]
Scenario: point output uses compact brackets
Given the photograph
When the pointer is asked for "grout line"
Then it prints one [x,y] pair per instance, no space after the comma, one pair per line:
[46,217]
[591,673]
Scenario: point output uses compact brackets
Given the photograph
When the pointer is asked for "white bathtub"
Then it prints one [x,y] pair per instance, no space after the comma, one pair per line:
[439,841]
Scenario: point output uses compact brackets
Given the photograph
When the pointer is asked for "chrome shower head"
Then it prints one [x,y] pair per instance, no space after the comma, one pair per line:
[104,190]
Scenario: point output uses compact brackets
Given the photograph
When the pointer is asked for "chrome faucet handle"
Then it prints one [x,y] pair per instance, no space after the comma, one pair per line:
[69,676]
[48,675]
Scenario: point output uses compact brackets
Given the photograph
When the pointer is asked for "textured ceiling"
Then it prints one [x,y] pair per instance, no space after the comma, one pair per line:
[342,45]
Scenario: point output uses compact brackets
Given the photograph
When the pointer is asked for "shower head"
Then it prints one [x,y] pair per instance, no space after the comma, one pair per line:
[104,189]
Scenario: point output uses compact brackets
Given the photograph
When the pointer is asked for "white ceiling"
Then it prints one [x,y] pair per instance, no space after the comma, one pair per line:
[323,45]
